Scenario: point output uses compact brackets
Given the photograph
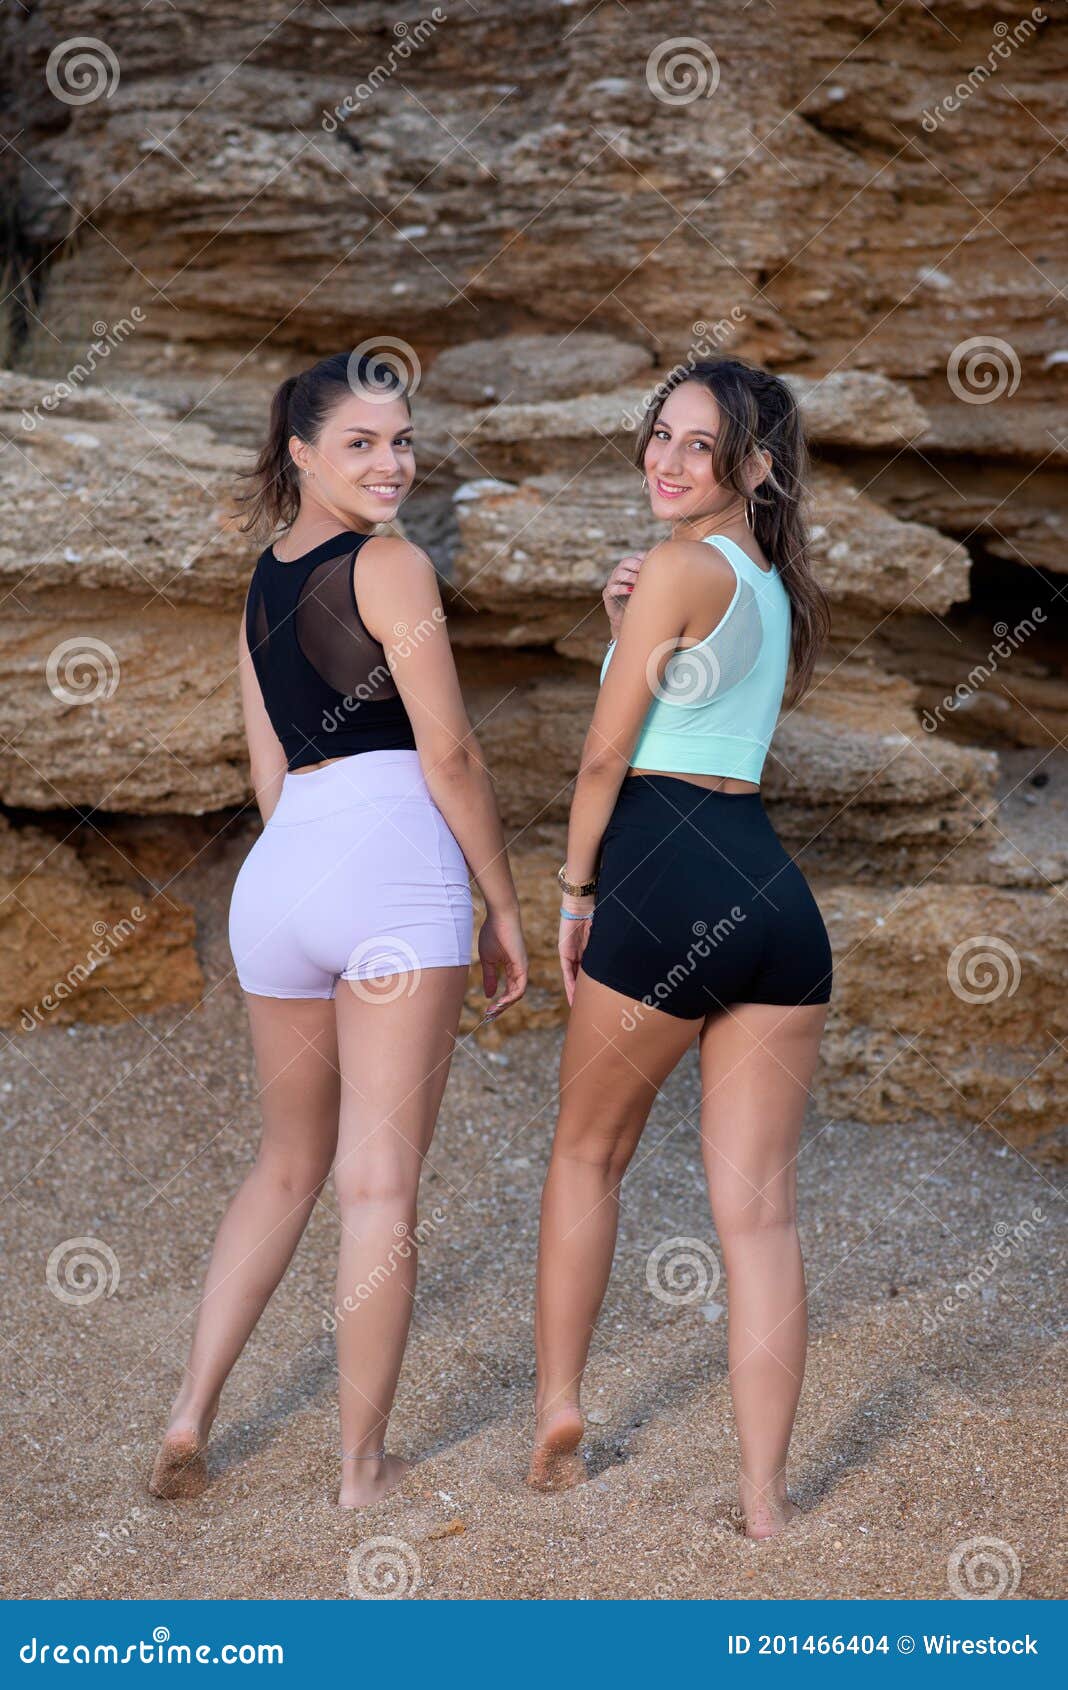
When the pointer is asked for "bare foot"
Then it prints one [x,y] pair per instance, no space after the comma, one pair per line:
[367,1482]
[767,1512]
[180,1471]
[556,1463]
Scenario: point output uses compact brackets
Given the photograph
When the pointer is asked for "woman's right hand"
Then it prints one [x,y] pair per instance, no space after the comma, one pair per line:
[573,939]
[619,588]
[501,946]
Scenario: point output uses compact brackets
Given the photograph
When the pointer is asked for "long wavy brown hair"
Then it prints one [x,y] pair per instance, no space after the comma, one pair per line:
[758,413]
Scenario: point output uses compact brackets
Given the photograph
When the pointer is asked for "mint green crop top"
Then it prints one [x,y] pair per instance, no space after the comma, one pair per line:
[718,701]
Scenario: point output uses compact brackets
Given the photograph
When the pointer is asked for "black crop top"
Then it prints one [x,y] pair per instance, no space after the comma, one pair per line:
[326,684]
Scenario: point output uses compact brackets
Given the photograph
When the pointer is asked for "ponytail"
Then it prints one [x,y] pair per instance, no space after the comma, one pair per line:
[274,498]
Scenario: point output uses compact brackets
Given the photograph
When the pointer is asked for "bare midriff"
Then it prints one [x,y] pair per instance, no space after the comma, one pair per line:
[712,783]
[306,768]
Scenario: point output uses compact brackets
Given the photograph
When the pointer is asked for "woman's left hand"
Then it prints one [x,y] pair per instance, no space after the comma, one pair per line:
[572,942]
[618,588]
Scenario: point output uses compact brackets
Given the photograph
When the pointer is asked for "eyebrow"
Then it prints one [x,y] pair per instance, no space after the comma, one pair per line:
[354,428]
[706,432]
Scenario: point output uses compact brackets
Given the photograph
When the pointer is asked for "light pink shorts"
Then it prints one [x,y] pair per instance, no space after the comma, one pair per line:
[355,875]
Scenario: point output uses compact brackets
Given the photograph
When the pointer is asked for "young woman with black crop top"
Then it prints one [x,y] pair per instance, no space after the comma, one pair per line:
[351,917]
[684,917]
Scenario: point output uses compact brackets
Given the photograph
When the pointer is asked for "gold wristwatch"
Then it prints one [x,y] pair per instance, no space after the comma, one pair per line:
[586,890]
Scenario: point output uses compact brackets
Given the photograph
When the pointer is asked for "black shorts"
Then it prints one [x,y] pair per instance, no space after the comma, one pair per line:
[700,906]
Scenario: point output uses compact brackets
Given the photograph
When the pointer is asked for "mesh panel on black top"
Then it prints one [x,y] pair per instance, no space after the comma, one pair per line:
[332,636]
[259,623]
[325,680]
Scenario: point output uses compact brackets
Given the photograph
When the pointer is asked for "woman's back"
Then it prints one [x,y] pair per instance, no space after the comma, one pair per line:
[326,683]
[715,708]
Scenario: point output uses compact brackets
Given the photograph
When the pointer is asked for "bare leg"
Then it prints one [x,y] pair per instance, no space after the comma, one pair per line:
[757,1061]
[295,1044]
[616,1055]
[396,1038]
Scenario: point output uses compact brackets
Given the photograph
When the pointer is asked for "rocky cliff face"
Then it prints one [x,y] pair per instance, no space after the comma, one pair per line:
[547,208]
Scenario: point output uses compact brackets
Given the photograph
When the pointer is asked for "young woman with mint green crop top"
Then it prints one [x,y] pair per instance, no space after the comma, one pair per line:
[718,700]
[683,915]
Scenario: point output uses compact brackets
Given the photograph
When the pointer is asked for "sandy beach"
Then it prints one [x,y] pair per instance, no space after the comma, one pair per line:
[921,1429]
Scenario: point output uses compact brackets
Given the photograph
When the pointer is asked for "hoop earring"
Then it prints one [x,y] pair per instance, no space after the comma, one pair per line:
[749,514]
[645,481]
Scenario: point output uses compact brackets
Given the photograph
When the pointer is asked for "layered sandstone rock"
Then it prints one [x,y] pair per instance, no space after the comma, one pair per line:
[94,938]
[544,234]
[121,591]
[968,1020]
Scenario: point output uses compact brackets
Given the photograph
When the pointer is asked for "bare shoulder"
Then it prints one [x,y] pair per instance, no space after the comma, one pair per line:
[395,584]
[673,559]
[391,554]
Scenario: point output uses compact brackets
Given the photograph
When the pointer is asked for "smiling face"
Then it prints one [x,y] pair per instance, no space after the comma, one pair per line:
[362,464]
[680,456]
